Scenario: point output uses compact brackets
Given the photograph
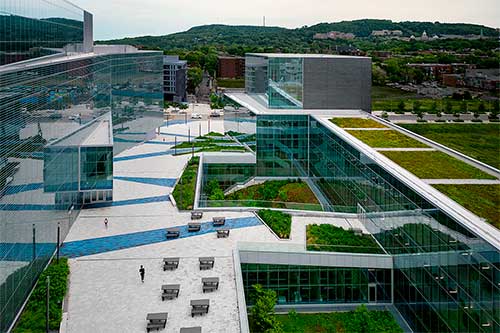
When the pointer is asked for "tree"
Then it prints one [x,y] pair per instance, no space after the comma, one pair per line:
[481,108]
[448,107]
[385,115]
[361,321]
[379,77]
[195,76]
[416,106]
[463,107]
[401,106]
[262,311]
[433,107]
[420,115]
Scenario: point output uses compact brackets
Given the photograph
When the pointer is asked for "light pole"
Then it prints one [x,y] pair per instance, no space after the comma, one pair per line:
[47,305]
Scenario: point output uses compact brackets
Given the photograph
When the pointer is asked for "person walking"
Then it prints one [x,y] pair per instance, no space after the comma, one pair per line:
[106,222]
[142,271]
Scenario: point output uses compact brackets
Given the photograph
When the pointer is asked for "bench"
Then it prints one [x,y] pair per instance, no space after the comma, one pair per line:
[170,264]
[193,227]
[199,306]
[222,233]
[196,329]
[206,263]
[155,326]
[210,284]
[170,291]
[218,221]
[196,215]
[173,233]
[156,321]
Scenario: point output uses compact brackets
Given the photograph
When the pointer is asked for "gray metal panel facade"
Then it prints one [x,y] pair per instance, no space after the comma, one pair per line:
[337,83]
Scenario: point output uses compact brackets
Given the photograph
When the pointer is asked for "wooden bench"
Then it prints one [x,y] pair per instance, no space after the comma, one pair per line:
[196,215]
[173,233]
[218,221]
[206,263]
[193,227]
[210,284]
[170,264]
[199,306]
[170,291]
[156,321]
[222,233]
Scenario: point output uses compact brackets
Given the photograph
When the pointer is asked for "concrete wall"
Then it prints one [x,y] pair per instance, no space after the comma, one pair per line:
[88,32]
[337,83]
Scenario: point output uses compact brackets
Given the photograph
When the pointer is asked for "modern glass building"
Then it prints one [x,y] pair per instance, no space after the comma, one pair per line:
[66,108]
[309,81]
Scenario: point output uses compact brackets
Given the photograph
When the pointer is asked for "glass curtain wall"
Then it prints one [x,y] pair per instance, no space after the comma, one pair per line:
[285,78]
[44,104]
[35,28]
[319,284]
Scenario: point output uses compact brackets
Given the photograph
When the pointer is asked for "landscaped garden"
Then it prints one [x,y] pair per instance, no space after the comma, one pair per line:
[212,141]
[185,189]
[279,222]
[33,318]
[357,123]
[435,165]
[292,193]
[386,139]
[482,200]
[326,237]
[262,318]
[479,141]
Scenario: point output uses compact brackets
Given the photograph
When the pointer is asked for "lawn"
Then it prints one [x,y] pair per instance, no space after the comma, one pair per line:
[326,237]
[213,141]
[33,316]
[435,165]
[340,322]
[482,200]
[231,83]
[356,123]
[184,190]
[385,92]
[479,141]
[387,139]
[279,222]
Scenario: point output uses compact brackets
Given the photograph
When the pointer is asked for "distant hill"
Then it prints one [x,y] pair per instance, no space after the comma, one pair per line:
[241,38]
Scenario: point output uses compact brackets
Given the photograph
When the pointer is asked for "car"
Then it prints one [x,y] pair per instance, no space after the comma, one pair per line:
[196,116]
[215,114]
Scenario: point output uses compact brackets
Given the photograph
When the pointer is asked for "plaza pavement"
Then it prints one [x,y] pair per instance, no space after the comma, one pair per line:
[105,292]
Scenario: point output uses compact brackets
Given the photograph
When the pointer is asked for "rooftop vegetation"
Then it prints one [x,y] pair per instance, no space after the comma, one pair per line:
[386,139]
[279,222]
[326,237]
[357,123]
[185,189]
[479,141]
[435,165]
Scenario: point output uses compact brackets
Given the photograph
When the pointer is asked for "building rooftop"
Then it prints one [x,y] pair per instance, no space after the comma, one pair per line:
[301,55]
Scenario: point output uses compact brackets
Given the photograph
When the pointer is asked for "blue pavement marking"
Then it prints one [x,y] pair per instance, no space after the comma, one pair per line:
[160,153]
[170,143]
[132,133]
[112,243]
[13,189]
[175,122]
[24,251]
[174,134]
[128,202]
[27,207]
[167,182]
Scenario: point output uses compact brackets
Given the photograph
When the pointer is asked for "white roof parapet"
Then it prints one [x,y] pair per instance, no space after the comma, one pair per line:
[229,158]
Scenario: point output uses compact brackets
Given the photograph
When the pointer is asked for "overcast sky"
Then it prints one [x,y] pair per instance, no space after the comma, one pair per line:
[128,18]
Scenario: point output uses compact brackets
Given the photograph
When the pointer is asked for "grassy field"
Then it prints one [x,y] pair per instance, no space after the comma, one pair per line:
[231,83]
[482,200]
[326,237]
[356,123]
[387,139]
[479,141]
[435,165]
[339,322]
[384,92]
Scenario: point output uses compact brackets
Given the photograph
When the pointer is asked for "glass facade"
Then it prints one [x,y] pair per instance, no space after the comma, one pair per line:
[34,28]
[50,163]
[280,79]
[319,284]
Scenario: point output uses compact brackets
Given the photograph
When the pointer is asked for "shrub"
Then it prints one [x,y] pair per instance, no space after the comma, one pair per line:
[33,317]
[279,222]
[185,189]
[401,106]
[262,312]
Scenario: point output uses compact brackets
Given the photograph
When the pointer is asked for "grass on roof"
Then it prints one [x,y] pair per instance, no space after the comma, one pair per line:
[435,165]
[479,141]
[482,200]
[387,139]
[357,123]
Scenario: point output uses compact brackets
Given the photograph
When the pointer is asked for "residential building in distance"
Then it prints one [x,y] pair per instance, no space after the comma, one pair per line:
[231,67]
[174,79]
[335,35]
[483,79]
[66,108]
[387,33]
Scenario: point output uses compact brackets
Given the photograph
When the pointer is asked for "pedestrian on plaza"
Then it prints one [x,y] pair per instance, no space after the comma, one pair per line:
[106,222]
[142,271]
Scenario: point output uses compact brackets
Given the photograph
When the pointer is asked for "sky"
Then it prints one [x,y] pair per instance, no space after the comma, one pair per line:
[130,18]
